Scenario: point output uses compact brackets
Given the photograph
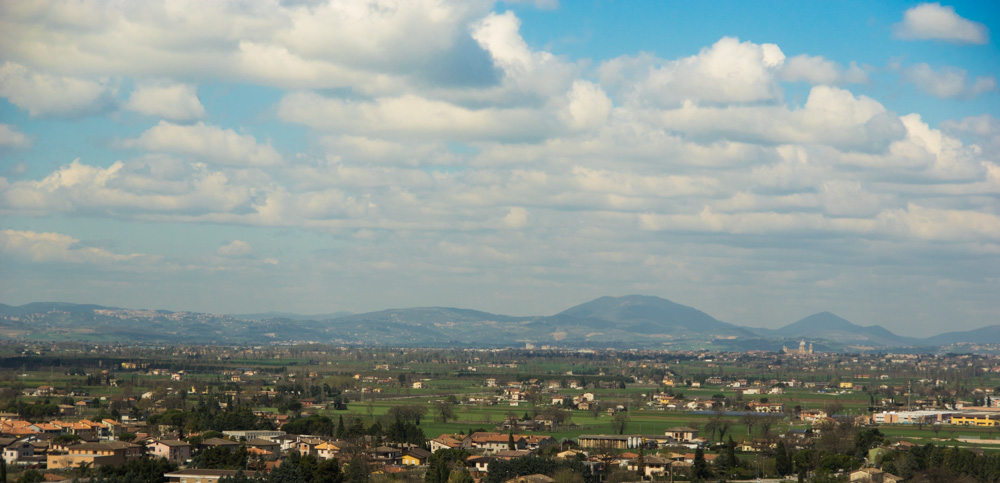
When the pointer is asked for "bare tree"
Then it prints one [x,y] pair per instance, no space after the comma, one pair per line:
[833,408]
[443,411]
[766,423]
[750,420]
[619,422]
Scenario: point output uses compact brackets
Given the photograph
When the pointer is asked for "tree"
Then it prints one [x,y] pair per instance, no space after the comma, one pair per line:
[83,469]
[443,412]
[510,441]
[765,424]
[31,476]
[328,471]
[567,475]
[410,412]
[461,475]
[782,461]
[728,458]
[440,464]
[357,471]
[239,477]
[865,440]
[619,422]
[834,408]
[750,420]
[700,469]
[286,473]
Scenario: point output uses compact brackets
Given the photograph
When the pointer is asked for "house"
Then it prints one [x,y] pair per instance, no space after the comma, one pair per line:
[757,446]
[874,475]
[286,442]
[511,454]
[42,391]
[493,442]
[768,407]
[16,450]
[220,443]
[262,454]
[652,466]
[478,463]
[445,441]
[812,415]
[96,454]
[268,445]
[570,454]
[682,433]
[535,478]
[329,449]
[709,457]
[198,475]
[537,442]
[171,449]
[415,457]
[385,454]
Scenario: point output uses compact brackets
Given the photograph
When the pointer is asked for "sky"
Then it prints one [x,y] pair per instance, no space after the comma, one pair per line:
[761,161]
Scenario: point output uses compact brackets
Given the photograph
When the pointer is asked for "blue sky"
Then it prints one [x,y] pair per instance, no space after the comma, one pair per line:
[761,161]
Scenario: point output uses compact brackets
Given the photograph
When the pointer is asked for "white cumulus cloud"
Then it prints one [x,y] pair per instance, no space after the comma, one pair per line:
[729,71]
[932,21]
[948,83]
[516,217]
[207,142]
[236,249]
[56,247]
[174,102]
[10,136]
[44,95]
[819,70]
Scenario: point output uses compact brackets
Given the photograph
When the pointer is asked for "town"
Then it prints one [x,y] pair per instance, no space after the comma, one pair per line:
[86,412]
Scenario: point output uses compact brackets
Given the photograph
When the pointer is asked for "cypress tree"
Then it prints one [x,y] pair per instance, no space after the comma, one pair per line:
[700,468]
[782,461]
[341,430]
[730,457]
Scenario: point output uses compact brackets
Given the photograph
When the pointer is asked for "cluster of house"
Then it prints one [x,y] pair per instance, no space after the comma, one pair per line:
[40,450]
[489,446]
[12,425]
[983,416]
[594,450]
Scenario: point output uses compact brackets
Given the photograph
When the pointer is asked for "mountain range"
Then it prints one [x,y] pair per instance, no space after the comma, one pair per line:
[633,321]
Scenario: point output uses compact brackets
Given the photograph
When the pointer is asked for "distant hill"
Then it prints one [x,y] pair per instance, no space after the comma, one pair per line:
[42,307]
[827,326]
[653,315]
[632,321]
[984,335]
[289,316]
